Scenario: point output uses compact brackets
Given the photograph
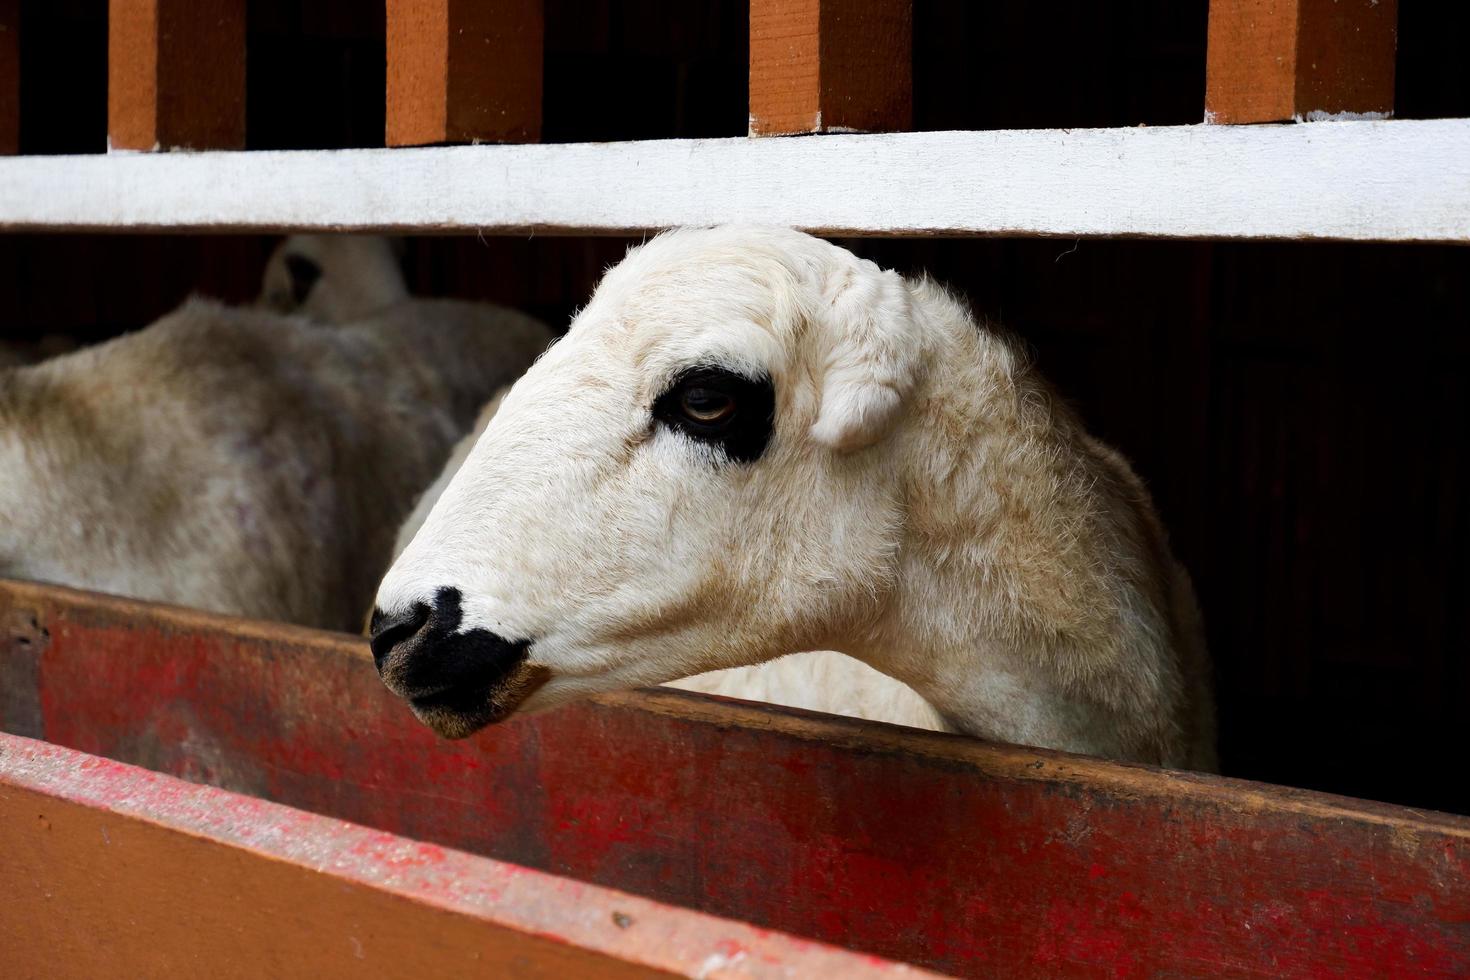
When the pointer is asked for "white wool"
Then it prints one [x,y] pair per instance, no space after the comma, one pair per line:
[822,680]
[817,681]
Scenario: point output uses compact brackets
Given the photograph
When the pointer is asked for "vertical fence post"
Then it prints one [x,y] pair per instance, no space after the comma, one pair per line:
[176,74]
[823,66]
[1275,60]
[462,71]
[9,76]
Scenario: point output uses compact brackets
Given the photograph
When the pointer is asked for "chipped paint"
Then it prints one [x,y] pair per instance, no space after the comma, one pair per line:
[1320,115]
[541,908]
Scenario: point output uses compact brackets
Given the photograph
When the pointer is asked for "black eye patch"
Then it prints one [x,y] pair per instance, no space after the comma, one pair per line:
[304,275]
[731,412]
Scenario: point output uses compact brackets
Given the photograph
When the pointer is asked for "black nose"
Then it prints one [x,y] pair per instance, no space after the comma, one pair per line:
[423,655]
[389,631]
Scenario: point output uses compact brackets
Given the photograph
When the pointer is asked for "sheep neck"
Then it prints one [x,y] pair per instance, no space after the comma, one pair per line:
[1032,586]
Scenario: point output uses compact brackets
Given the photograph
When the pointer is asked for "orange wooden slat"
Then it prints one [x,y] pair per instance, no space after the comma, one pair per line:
[111,870]
[822,66]
[462,71]
[1274,60]
[9,76]
[176,74]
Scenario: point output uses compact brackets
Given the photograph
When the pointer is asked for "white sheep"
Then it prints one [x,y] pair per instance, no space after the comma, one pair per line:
[334,278]
[242,461]
[821,680]
[752,442]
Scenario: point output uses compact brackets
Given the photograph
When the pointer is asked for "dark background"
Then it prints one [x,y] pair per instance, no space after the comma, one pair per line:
[1297,409]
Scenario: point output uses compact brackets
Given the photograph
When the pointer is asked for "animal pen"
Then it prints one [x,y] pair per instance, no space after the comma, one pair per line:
[1263,310]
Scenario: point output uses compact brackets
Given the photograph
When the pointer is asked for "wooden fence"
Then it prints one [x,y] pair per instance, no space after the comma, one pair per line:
[125,842]
[933,849]
[472,73]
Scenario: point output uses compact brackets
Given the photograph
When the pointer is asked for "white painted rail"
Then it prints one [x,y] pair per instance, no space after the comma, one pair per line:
[1364,181]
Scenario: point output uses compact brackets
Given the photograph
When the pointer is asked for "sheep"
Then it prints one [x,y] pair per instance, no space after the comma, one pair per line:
[240,461]
[333,278]
[822,680]
[751,442]
[329,278]
[457,456]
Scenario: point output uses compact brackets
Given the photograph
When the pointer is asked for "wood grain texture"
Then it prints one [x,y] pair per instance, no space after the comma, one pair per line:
[9,76]
[110,870]
[132,75]
[462,71]
[1275,60]
[830,66]
[785,67]
[1407,180]
[944,851]
[176,74]
[418,72]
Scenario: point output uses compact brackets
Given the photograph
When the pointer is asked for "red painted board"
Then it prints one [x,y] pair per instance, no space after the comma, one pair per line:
[112,870]
[939,850]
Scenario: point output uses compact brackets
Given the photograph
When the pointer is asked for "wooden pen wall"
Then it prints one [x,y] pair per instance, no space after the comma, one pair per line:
[1297,408]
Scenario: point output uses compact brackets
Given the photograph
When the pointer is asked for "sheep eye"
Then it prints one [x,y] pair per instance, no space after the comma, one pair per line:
[706,405]
[729,411]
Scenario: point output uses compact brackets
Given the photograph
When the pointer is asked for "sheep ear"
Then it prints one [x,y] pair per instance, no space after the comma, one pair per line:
[874,358]
[304,274]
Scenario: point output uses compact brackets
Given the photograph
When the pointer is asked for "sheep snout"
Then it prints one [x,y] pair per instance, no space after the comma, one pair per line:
[455,682]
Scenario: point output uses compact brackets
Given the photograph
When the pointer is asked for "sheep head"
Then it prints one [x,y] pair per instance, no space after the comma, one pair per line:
[333,279]
[695,477]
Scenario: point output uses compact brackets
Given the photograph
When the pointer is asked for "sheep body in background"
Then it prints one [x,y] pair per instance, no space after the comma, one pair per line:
[241,461]
[822,680]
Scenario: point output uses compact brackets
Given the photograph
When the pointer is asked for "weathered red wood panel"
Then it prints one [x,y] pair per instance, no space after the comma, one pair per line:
[464,70]
[821,66]
[111,870]
[1273,60]
[939,850]
[176,74]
